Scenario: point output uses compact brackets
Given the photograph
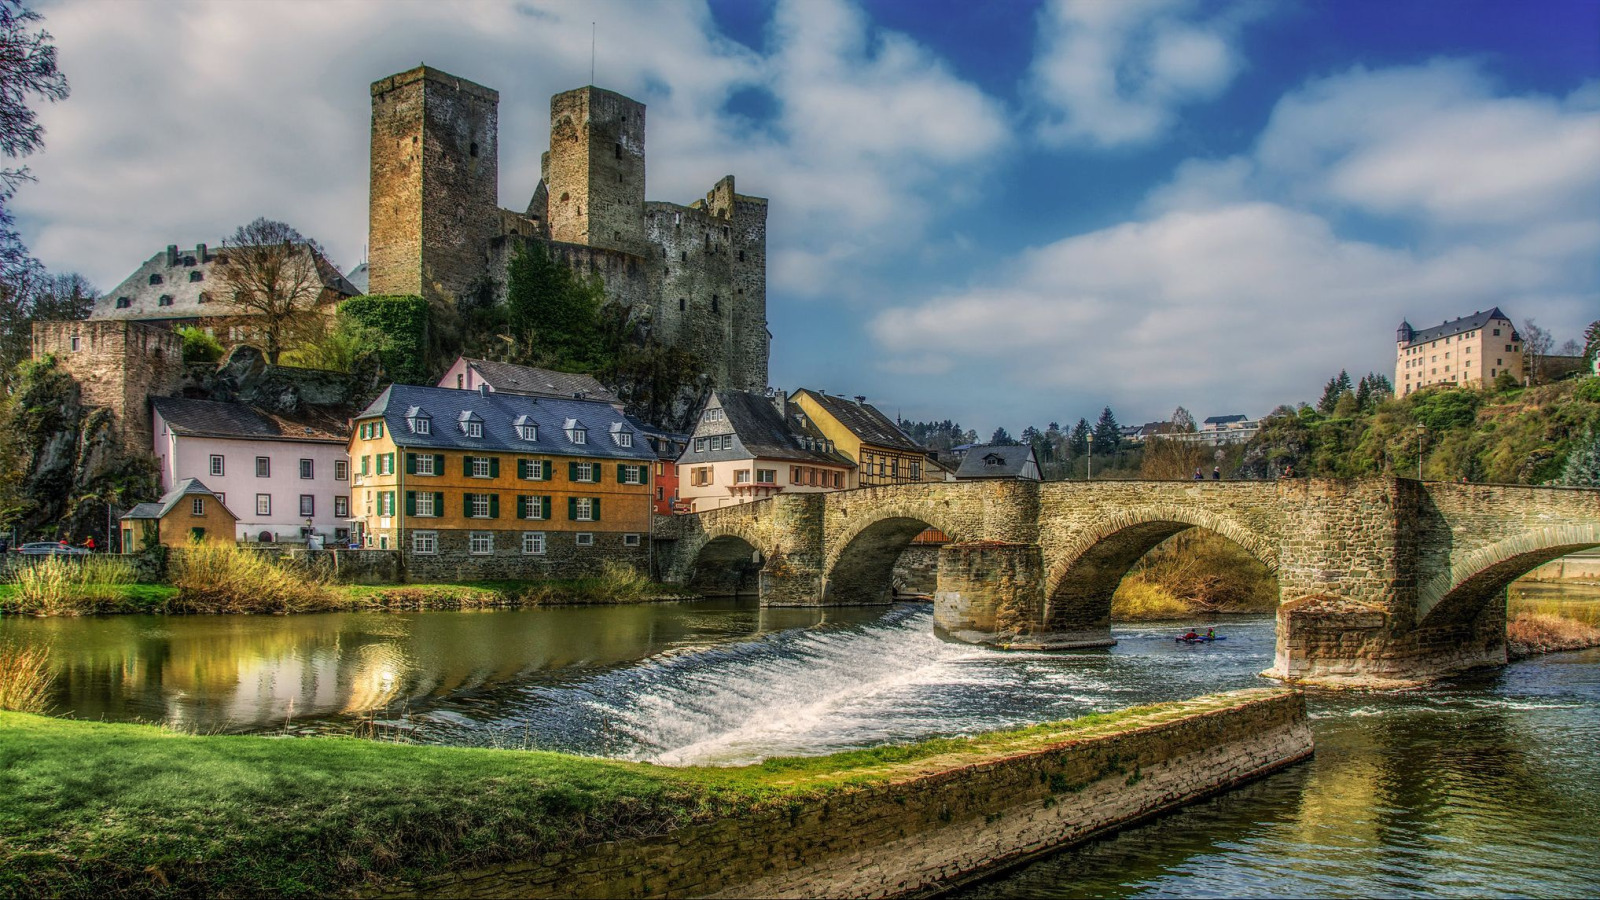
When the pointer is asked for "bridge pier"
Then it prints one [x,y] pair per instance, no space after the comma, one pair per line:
[992,592]
[1334,642]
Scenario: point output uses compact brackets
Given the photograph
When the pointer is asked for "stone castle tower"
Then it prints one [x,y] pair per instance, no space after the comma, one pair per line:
[696,273]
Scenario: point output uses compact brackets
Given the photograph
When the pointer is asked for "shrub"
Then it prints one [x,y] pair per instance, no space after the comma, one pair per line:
[404,322]
[59,585]
[217,577]
[199,347]
[1137,598]
[25,679]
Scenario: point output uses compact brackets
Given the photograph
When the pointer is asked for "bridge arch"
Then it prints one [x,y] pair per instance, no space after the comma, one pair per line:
[859,566]
[723,560]
[1079,588]
[1459,595]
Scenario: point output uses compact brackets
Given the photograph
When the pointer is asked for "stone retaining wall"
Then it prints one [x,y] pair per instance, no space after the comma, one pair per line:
[937,822]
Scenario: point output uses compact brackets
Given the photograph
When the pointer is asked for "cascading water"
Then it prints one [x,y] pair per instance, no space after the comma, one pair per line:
[842,686]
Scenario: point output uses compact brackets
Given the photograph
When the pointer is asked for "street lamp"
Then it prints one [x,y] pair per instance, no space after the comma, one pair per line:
[1090,436]
[1421,430]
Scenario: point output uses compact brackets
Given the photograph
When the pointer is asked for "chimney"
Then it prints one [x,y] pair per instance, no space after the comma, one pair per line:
[200,254]
[483,389]
[780,399]
[172,255]
[860,400]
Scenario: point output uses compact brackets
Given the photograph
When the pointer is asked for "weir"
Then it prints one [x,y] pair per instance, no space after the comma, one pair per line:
[980,805]
[1383,581]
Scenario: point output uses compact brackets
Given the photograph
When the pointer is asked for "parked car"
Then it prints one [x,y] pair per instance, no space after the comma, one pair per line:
[50,548]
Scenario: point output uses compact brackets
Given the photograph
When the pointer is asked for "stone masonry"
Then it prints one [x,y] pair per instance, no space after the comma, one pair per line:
[1381,581]
[694,276]
[118,365]
[934,823]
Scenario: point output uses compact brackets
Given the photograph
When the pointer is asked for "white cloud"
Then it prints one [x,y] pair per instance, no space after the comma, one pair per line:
[1110,74]
[188,119]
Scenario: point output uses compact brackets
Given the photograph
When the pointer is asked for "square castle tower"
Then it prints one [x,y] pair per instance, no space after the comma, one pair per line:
[696,273]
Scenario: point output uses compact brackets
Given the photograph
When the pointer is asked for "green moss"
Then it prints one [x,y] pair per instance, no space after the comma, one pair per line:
[103,809]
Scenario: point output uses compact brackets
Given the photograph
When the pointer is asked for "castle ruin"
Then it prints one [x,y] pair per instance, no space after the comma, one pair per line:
[696,273]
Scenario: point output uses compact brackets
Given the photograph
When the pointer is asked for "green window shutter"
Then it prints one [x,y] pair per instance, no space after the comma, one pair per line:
[466,505]
[522,507]
[544,469]
[494,467]
[597,472]
[466,466]
[411,464]
[364,461]
[572,471]
[594,506]
[644,474]
[494,506]
[544,507]
[438,503]
[572,509]
[522,468]
[622,473]
[411,503]
[438,464]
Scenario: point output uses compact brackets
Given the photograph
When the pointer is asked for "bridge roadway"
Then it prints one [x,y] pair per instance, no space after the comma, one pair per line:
[1382,581]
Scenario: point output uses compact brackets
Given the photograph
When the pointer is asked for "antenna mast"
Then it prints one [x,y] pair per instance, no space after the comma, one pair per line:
[591,53]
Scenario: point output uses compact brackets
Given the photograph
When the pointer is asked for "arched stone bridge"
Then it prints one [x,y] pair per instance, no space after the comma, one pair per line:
[1382,579]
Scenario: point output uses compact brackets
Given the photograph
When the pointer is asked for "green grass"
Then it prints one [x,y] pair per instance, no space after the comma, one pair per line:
[104,598]
[107,809]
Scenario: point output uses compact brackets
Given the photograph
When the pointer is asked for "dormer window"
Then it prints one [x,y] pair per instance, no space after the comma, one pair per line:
[471,424]
[124,302]
[164,300]
[420,422]
[620,435]
[156,278]
[576,432]
[527,429]
[197,275]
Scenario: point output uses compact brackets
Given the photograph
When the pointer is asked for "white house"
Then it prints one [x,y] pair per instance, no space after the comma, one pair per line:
[276,473]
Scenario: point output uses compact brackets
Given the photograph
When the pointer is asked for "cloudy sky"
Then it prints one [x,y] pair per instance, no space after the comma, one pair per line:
[1005,213]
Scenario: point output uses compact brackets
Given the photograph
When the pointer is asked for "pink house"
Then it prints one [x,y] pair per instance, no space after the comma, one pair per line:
[277,473]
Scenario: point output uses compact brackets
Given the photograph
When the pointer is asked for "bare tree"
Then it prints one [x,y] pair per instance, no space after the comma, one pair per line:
[64,297]
[1182,421]
[272,278]
[27,69]
[1536,344]
[1570,348]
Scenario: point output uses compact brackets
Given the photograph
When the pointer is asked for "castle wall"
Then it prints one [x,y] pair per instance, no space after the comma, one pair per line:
[435,183]
[118,365]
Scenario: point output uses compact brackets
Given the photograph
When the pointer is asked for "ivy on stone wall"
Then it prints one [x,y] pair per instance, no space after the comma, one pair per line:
[404,319]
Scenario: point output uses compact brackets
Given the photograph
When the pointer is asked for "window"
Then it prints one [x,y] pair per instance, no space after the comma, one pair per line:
[307,469]
[164,300]
[585,472]
[916,470]
[716,415]
[365,467]
[156,279]
[742,476]
[533,543]
[263,504]
[385,465]
[196,276]
[766,476]
[584,539]
[631,474]
[584,508]
[630,540]
[682,304]
[796,474]
[474,429]
[197,506]
[76,344]
[341,507]
[699,445]
[480,467]
[216,464]
[425,542]
[425,504]
[528,432]
[838,479]
[422,425]
[481,543]
[700,476]
[478,504]
[341,470]
[124,302]
[533,507]
[424,463]
[386,503]
[579,435]
[533,469]
[624,439]
[308,506]
[715,306]
[341,535]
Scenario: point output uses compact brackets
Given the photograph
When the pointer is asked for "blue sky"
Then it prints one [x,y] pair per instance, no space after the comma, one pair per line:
[1003,213]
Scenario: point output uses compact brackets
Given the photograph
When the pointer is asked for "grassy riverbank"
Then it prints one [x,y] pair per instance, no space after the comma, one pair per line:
[102,809]
[224,579]
[1191,573]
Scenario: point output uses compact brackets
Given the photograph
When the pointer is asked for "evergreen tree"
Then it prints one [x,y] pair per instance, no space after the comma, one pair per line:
[1078,442]
[1107,435]
[1583,463]
[1336,387]
[1001,436]
[552,315]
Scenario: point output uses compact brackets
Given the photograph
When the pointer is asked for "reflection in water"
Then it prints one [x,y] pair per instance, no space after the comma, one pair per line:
[243,673]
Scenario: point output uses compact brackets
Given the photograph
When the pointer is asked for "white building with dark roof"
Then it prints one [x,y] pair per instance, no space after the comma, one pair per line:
[1470,351]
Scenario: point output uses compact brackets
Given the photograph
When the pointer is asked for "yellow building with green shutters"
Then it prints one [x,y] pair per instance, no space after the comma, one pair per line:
[481,485]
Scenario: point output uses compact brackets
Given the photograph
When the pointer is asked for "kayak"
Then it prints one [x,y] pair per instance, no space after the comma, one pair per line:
[1199,640]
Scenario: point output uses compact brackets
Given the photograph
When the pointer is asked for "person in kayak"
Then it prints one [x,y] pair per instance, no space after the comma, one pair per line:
[1211,634]
[1191,636]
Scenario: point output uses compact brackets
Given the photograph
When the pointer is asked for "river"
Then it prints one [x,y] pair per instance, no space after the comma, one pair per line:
[1488,784]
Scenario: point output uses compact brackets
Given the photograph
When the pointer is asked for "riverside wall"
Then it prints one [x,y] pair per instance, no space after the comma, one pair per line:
[938,821]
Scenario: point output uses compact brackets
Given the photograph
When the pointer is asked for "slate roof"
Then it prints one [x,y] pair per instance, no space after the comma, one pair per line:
[359,277]
[1462,325]
[760,431]
[448,407]
[1009,461]
[669,443]
[1223,420]
[211,418]
[158,509]
[176,270]
[865,421]
[516,379]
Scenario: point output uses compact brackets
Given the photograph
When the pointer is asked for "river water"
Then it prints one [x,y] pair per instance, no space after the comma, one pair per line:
[1489,784]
